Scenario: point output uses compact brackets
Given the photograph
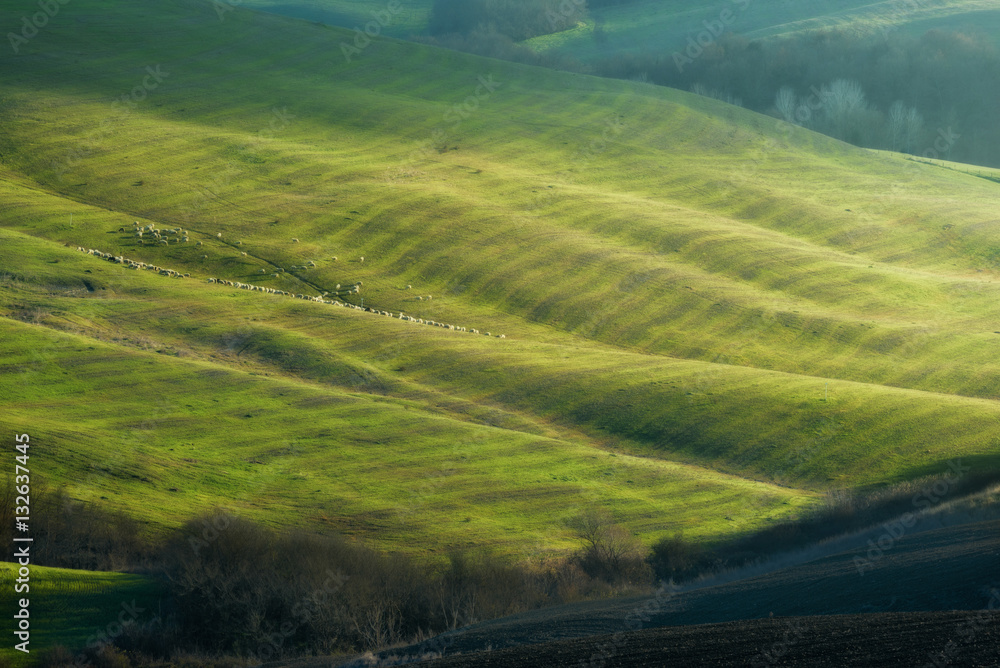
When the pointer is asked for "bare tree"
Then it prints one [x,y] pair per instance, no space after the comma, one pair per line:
[844,102]
[610,552]
[914,126]
[896,125]
[786,102]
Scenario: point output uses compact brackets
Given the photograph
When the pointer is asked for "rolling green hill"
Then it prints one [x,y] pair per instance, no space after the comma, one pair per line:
[664,25]
[708,319]
[667,26]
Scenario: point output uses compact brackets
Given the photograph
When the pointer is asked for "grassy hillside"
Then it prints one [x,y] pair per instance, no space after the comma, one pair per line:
[693,299]
[666,26]
[659,25]
[76,608]
[405,20]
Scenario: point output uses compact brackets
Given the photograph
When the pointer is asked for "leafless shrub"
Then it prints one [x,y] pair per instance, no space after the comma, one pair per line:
[610,553]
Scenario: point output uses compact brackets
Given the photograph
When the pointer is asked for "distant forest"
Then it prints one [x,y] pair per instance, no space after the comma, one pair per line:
[932,96]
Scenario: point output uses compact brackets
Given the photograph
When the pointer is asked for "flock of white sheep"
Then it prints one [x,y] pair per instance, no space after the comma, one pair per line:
[132,264]
[354,289]
[158,235]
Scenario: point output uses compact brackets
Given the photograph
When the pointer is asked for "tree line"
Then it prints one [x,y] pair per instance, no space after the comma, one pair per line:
[932,95]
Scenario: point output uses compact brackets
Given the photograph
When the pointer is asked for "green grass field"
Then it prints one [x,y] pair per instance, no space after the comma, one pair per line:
[77,608]
[710,319]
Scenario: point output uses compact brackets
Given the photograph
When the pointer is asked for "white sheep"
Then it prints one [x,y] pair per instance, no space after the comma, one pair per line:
[294,240]
[219,235]
[362,259]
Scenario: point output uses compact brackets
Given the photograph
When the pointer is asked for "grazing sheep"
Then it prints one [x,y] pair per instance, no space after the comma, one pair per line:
[362,259]
[200,244]
[185,239]
[409,287]
[260,271]
[334,258]
[419,298]
[244,253]
[311,263]
[294,240]
[239,243]
[219,235]
[204,257]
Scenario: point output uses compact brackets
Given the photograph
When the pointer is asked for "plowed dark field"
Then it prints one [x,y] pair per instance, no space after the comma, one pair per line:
[931,639]
[928,600]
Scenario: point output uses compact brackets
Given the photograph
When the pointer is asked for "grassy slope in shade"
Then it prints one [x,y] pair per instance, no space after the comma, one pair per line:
[73,608]
[654,25]
[676,278]
[666,26]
